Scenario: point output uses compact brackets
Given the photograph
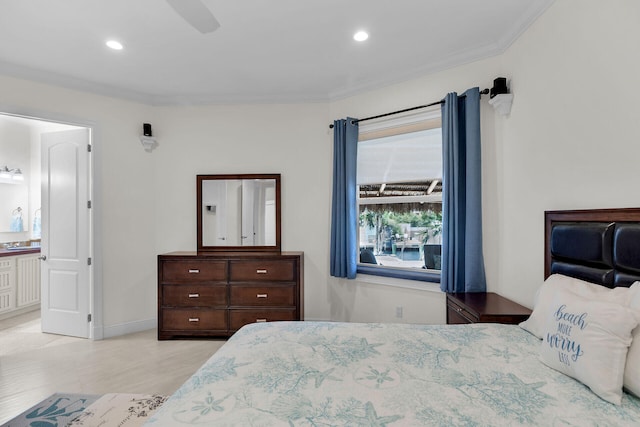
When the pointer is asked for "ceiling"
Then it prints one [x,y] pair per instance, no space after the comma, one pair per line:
[264,50]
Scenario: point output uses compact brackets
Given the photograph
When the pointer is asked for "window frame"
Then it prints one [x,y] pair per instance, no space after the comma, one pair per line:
[408,123]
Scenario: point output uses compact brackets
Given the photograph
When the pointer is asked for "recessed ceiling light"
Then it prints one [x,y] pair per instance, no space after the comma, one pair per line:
[360,36]
[114,45]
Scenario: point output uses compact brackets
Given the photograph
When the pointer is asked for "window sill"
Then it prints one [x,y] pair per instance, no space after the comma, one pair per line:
[403,278]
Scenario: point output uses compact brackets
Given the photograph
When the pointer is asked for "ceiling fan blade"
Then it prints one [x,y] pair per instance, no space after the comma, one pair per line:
[196,14]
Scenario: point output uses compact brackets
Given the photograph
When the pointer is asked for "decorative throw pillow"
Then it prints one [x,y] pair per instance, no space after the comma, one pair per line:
[588,340]
[558,282]
[632,369]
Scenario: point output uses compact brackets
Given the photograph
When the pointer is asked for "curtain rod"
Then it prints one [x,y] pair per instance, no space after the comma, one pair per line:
[482,92]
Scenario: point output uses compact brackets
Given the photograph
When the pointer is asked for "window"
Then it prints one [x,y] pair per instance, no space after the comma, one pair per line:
[400,197]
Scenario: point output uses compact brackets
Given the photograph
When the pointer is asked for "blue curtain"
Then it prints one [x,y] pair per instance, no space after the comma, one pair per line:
[462,259]
[344,215]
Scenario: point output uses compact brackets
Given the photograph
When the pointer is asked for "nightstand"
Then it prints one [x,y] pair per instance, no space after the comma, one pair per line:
[484,308]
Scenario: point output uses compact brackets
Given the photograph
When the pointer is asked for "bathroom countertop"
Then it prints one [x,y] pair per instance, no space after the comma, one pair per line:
[22,251]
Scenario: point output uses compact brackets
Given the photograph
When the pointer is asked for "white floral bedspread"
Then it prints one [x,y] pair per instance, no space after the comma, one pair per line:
[347,374]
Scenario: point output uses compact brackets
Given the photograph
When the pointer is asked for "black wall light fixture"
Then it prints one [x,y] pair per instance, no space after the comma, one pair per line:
[499,97]
[147,139]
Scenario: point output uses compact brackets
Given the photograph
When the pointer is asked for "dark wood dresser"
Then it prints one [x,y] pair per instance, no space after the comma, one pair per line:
[216,293]
[484,308]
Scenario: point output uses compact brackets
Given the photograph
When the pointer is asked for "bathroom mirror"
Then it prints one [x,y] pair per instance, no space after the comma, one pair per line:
[238,212]
[14,215]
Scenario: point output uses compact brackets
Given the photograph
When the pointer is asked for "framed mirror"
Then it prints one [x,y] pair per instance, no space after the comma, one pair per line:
[238,213]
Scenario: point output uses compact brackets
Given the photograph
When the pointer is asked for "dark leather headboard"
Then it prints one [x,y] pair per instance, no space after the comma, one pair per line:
[600,246]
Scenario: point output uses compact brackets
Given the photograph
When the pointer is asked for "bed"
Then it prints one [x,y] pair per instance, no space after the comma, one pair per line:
[565,366]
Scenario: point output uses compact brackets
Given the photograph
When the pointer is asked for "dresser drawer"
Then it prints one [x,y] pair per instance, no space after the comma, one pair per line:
[456,314]
[252,270]
[262,295]
[194,295]
[455,318]
[194,271]
[239,318]
[178,319]
[484,307]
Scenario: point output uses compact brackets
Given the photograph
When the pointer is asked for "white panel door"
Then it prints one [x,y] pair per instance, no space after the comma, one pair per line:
[247,209]
[65,246]
[232,209]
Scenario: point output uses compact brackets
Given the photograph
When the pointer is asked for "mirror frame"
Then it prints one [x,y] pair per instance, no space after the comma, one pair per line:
[201,248]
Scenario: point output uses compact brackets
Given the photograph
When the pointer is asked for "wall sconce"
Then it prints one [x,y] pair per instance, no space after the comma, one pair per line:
[146,139]
[500,98]
[11,176]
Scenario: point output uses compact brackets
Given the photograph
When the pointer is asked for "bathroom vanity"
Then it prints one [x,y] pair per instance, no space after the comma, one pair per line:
[19,281]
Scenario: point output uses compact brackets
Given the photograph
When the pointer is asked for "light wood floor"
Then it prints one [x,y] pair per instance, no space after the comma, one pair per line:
[34,365]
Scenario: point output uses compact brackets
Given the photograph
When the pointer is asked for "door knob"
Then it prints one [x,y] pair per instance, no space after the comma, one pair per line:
[43,257]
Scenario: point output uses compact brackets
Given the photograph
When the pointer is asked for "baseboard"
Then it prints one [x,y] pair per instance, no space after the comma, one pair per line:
[19,311]
[97,333]
[128,328]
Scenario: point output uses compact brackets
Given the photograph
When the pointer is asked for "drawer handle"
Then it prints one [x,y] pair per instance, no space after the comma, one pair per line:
[261,271]
[262,296]
[194,270]
[194,295]
[194,319]
[261,320]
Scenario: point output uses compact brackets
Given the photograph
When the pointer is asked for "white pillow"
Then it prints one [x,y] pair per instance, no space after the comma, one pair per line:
[632,369]
[588,340]
[559,282]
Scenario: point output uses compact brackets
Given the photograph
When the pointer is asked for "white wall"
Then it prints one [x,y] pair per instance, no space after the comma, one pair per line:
[570,142]
[15,152]
[288,139]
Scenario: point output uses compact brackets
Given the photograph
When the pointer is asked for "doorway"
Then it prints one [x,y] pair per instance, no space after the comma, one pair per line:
[55,159]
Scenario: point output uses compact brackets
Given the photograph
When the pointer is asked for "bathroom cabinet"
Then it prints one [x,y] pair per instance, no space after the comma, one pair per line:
[19,282]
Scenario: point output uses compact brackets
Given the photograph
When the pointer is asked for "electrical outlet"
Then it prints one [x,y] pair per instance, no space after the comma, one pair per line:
[399,312]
